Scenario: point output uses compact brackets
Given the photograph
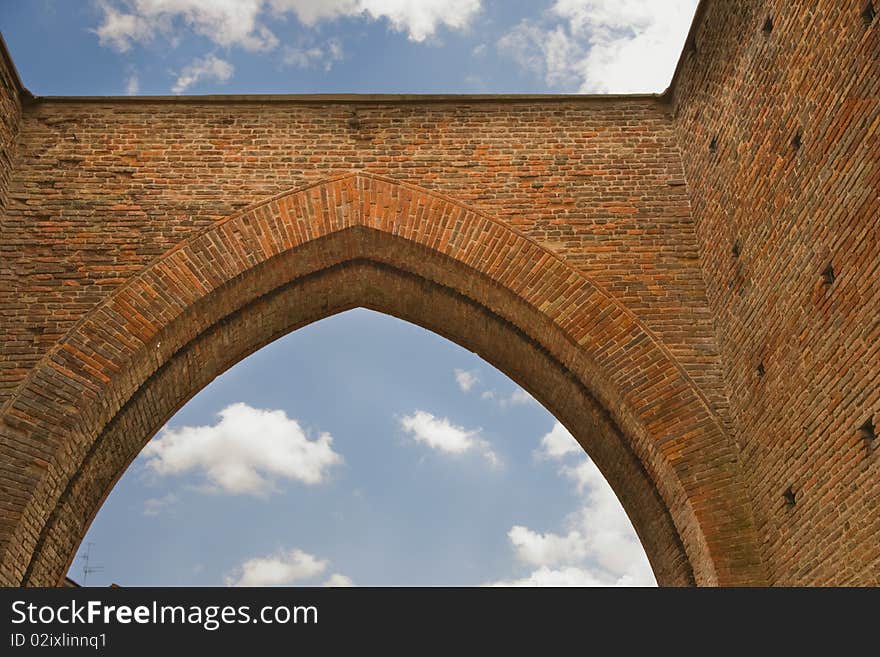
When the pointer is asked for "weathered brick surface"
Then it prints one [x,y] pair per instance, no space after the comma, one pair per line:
[791,211]
[10,117]
[387,289]
[110,365]
[149,244]
[100,189]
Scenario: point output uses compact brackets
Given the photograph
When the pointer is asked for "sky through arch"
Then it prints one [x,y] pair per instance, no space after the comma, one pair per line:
[362,449]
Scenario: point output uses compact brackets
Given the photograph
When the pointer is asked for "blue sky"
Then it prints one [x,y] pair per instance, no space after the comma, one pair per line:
[360,449]
[114,47]
[432,471]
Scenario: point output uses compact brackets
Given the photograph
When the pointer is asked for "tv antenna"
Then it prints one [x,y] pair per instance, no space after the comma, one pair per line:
[88,569]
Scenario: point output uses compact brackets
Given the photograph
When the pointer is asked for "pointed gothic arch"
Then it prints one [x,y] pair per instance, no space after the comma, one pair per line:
[360,240]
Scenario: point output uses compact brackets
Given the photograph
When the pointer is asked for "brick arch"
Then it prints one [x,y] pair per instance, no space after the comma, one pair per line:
[228,290]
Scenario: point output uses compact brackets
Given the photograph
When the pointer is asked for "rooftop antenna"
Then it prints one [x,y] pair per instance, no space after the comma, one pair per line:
[87,569]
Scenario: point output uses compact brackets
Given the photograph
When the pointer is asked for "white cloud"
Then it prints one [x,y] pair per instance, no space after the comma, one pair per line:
[603,46]
[154,505]
[545,51]
[302,57]
[338,580]
[557,443]
[611,540]
[547,549]
[584,475]
[310,12]
[568,576]
[442,435]
[120,29]
[518,397]
[245,452]
[466,380]
[421,19]
[210,67]
[225,22]
[308,57]
[599,546]
[132,85]
[242,23]
[280,569]
[284,568]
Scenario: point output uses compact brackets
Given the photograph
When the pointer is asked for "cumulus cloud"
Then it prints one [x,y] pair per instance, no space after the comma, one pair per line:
[547,549]
[280,569]
[284,568]
[519,397]
[544,576]
[419,20]
[210,67]
[584,475]
[603,46]
[246,452]
[598,546]
[466,380]
[119,28]
[338,580]
[242,23]
[557,443]
[544,51]
[440,434]
[225,22]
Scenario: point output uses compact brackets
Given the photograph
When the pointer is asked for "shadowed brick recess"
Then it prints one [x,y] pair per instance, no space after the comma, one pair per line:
[690,281]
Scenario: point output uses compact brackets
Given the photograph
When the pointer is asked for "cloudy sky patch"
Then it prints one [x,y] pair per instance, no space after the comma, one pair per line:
[273,46]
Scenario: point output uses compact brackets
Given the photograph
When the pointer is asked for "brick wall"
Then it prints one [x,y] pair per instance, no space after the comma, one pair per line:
[791,186]
[102,188]
[10,115]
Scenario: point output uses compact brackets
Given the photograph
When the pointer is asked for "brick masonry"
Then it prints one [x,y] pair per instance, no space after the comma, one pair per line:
[581,244]
[790,207]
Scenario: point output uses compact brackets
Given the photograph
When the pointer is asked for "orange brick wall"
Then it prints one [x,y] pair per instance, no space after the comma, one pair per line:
[770,217]
[100,189]
[10,116]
